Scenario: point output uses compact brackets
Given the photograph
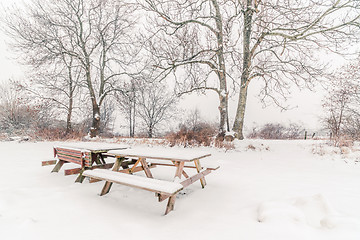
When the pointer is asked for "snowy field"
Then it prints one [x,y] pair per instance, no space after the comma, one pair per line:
[263,190]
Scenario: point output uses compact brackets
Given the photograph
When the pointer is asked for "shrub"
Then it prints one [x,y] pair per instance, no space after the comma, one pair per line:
[200,134]
[277,131]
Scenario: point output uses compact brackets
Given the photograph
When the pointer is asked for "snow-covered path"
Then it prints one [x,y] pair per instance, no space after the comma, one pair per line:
[279,190]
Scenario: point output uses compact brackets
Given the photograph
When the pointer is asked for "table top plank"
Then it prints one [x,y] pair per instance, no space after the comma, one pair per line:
[91,146]
[160,154]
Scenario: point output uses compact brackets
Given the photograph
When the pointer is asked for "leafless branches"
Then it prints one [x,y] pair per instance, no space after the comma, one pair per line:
[95,35]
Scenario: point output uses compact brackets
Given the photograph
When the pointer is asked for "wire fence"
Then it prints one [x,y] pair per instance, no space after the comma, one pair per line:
[315,134]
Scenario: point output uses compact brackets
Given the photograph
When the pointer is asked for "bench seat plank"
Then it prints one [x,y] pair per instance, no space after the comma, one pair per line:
[150,184]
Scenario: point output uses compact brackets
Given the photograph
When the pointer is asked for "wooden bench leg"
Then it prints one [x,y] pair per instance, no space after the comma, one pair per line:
[198,168]
[179,169]
[107,185]
[80,177]
[58,166]
[146,168]
[170,204]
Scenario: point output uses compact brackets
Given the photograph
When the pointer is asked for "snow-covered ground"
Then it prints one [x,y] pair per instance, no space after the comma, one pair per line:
[277,190]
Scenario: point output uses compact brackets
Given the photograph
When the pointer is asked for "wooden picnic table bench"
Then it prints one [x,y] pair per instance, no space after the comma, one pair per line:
[89,155]
[181,160]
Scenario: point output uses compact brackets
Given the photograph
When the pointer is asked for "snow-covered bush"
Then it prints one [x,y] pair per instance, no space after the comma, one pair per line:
[277,131]
[200,134]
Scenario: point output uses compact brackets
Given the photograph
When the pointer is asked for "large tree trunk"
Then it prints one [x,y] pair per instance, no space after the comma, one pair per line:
[240,112]
[95,126]
[68,119]
[150,132]
[71,101]
[223,107]
[223,94]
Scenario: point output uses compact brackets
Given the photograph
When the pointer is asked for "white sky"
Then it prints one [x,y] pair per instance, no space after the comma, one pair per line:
[306,104]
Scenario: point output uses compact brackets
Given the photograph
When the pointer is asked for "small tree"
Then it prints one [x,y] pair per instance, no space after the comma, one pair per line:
[127,102]
[341,105]
[155,106]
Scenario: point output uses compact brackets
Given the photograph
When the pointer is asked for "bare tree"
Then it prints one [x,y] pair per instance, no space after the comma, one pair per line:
[279,38]
[127,102]
[19,113]
[155,105]
[59,84]
[95,33]
[193,41]
[341,104]
[273,41]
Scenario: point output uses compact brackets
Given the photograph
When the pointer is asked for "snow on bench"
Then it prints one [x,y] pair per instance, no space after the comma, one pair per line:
[161,154]
[150,184]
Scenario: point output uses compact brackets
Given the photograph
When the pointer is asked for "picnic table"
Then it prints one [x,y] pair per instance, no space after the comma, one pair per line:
[149,158]
[89,155]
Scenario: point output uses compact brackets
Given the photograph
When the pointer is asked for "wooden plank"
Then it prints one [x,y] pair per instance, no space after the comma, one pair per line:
[70,159]
[198,168]
[171,165]
[77,170]
[66,153]
[137,163]
[146,168]
[72,171]
[70,150]
[80,177]
[196,177]
[170,204]
[139,155]
[108,184]
[186,183]
[185,174]
[179,169]
[156,185]
[49,162]
[137,169]
[58,166]
[128,171]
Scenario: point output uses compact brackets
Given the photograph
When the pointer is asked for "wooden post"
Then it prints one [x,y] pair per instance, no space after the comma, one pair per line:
[58,166]
[146,168]
[80,177]
[305,134]
[179,169]
[170,204]
[198,168]
[107,184]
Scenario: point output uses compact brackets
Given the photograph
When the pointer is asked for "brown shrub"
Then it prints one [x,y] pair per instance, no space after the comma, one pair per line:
[277,131]
[53,134]
[200,135]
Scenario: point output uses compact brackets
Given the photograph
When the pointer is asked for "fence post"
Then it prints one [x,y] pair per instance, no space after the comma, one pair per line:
[305,134]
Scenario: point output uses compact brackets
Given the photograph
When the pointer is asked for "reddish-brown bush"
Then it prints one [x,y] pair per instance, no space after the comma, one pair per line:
[277,131]
[202,134]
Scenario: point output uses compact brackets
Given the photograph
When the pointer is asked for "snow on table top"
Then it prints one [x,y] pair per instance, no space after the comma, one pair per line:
[163,154]
[136,181]
[92,146]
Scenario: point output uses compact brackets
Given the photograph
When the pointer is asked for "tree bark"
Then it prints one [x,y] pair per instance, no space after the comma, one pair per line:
[68,119]
[150,132]
[95,127]
[223,94]
[240,112]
